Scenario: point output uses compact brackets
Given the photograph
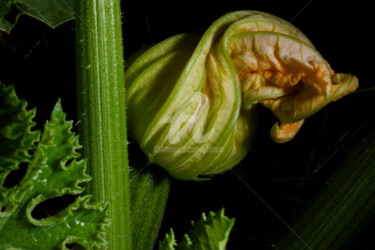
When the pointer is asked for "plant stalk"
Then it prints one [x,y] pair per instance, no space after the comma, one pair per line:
[101,111]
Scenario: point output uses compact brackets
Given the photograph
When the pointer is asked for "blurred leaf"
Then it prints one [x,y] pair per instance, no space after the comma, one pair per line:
[51,12]
[344,206]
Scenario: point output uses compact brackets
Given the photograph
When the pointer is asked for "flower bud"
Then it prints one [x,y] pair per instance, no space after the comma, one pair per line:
[191,98]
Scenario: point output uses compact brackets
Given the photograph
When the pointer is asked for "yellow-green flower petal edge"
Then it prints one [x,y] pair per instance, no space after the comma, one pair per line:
[191,98]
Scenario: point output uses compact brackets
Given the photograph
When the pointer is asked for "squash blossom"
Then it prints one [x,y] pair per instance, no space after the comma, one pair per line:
[191,98]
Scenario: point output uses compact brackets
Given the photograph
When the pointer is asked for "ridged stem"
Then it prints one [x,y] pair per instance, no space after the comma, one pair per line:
[101,111]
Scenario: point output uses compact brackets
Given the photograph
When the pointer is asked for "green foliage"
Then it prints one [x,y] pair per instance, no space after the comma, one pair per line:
[51,12]
[53,172]
[209,233]
[16,137]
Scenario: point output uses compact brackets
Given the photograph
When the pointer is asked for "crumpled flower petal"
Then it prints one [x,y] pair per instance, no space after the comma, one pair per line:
[191,98]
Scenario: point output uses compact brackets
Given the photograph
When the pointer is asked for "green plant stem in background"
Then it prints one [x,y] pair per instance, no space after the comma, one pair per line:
[149,194]
[343,207]
[101,111]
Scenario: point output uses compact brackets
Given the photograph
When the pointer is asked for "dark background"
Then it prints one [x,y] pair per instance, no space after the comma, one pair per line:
[40,62]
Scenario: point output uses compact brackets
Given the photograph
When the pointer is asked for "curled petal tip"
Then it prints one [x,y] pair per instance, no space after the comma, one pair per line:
[285,132]
[343,84]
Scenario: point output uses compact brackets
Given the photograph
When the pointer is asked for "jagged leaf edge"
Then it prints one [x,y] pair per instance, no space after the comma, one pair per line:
[82,201]
[27,142]
[191,239]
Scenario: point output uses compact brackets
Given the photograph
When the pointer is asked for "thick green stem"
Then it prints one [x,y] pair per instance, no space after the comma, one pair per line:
[101,111]
[343,207]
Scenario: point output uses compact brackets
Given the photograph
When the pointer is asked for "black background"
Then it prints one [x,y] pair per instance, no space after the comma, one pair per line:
[40,62]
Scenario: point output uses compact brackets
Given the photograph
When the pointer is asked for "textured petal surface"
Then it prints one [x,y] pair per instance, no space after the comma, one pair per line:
[191,98]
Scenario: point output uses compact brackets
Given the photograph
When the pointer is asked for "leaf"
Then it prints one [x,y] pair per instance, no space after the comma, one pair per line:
[209,233]
[344,206]
[51,12]
[16,138]
[53,172]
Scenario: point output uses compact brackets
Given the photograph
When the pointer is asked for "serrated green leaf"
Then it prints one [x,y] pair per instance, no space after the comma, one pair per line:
[51,12]
[17,141]
[169,242]
[54,170]
[209,233]
[16,137]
